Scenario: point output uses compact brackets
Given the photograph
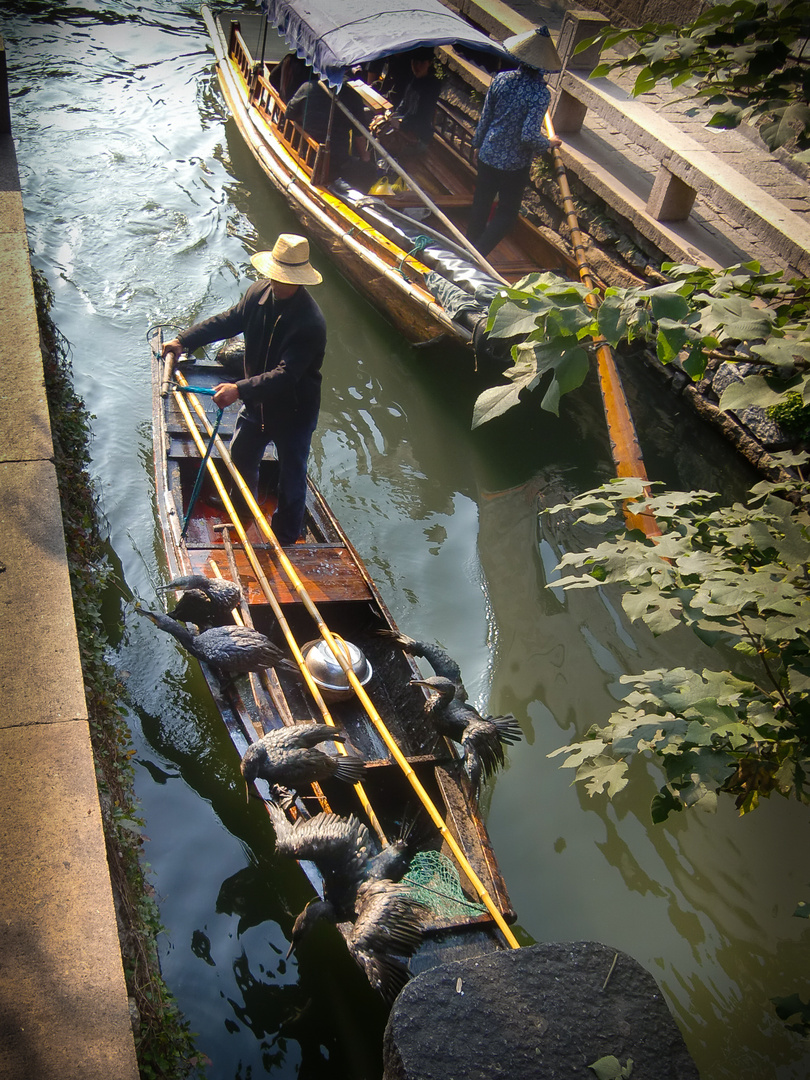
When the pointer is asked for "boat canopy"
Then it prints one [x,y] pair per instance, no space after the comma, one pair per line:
[334,37]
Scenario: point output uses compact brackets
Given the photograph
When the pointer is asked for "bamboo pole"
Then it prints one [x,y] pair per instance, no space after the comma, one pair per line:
[624,442]
[261,576]
[426,199]
[329,638]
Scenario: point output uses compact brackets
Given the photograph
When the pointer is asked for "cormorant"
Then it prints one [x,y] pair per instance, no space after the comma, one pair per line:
[439,660]
[232,650]
[386,920]
[205,601]
[482,738]
[288,757]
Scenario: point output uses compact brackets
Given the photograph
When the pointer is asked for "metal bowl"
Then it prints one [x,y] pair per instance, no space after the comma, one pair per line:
[329,676]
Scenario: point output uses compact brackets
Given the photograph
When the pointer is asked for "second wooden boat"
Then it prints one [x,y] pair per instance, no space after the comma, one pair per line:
[405,249]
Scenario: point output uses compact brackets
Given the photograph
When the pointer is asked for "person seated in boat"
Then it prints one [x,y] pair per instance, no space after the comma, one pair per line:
[280,393]
[408,129]
[288,74]
[508,135]
[311,107]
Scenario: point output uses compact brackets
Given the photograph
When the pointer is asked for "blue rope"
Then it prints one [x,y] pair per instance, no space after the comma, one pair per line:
[419,244]
[201,471]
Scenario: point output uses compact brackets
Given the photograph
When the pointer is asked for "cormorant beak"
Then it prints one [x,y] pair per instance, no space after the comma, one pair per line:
[290,950]
[247,792]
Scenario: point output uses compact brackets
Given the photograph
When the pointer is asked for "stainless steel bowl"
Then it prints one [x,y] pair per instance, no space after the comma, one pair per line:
[329,676]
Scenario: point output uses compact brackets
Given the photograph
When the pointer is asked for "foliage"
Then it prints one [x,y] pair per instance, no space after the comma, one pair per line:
[738,577]
[792,415]
[610,1068]
[738,315]
[745,58]
[164,1045]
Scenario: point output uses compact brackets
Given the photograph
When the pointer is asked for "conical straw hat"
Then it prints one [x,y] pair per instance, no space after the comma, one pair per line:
[535,48]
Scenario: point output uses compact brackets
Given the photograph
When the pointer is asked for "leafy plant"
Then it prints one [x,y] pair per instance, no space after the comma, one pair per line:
[737,315]
[738,577]
[745,58]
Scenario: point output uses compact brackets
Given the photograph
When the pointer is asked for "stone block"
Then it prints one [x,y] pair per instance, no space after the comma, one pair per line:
[670,199]
[40,669]
[578,26]
[543,1011]
[63,1000]
[568,113]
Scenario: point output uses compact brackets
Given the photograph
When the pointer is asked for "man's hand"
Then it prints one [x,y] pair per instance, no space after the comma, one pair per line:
[225,393]
[173,346]
[555,143]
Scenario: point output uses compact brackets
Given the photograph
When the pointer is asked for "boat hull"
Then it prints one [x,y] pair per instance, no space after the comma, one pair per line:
[329,577]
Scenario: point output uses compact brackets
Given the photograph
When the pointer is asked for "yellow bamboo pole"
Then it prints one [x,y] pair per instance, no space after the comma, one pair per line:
[354,682]
[621,429]
[262,577]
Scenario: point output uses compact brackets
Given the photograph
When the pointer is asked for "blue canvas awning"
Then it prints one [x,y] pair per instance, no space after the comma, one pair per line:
[335,35]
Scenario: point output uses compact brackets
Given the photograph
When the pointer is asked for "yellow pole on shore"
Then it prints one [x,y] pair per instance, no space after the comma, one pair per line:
[621,429]
[340,656]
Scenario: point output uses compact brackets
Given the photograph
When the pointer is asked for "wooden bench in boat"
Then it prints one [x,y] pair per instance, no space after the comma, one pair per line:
[328,572]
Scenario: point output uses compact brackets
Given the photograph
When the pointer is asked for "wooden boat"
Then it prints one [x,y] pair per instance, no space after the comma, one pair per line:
[406,250]
[311,590]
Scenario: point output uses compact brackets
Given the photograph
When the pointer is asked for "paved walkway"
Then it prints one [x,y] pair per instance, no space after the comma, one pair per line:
[63,1002]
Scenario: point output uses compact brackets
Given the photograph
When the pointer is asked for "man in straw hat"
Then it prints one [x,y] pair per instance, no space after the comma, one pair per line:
[509,134]
[285,341]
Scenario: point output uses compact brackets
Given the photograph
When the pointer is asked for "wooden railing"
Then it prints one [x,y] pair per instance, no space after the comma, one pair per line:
[454,130]
[263,96]
[240,54]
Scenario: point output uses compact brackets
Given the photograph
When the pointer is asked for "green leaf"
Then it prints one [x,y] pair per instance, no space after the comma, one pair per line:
[610,1068]
[569,373]
[494,402]
[603,772]
[645,80]
[752,390]
[671,339]
[612,320]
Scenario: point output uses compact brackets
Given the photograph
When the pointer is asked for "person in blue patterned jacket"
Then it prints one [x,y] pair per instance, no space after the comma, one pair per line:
[509,134]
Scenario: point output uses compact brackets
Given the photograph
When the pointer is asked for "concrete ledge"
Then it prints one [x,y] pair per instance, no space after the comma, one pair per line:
[546,1011]
[64,1012]
[62,997]
[686,160]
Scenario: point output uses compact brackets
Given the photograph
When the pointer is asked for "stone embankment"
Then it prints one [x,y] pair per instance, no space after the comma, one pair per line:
[63,1000]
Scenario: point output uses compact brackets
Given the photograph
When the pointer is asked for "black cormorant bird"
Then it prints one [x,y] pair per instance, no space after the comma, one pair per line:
[482,738]
[439,660]
[288,757]
[385,920]
[232,650]
[205,601]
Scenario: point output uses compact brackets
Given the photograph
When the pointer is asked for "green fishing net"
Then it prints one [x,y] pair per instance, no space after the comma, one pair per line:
[433,879]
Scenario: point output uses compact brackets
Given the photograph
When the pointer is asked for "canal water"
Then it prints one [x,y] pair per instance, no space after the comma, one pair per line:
[143,206]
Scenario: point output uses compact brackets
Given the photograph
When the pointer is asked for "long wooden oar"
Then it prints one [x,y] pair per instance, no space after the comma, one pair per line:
[261,577]
[340,656]
[426,199]
[624,442]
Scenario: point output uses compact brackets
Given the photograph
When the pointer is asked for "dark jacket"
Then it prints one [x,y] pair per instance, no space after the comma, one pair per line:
[284,350]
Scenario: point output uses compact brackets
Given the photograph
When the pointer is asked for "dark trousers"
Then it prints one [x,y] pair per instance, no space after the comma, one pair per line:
[507,185]
[292,442]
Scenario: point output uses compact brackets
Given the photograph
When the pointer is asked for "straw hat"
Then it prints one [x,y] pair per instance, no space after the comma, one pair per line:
[535,48]
[288,261]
